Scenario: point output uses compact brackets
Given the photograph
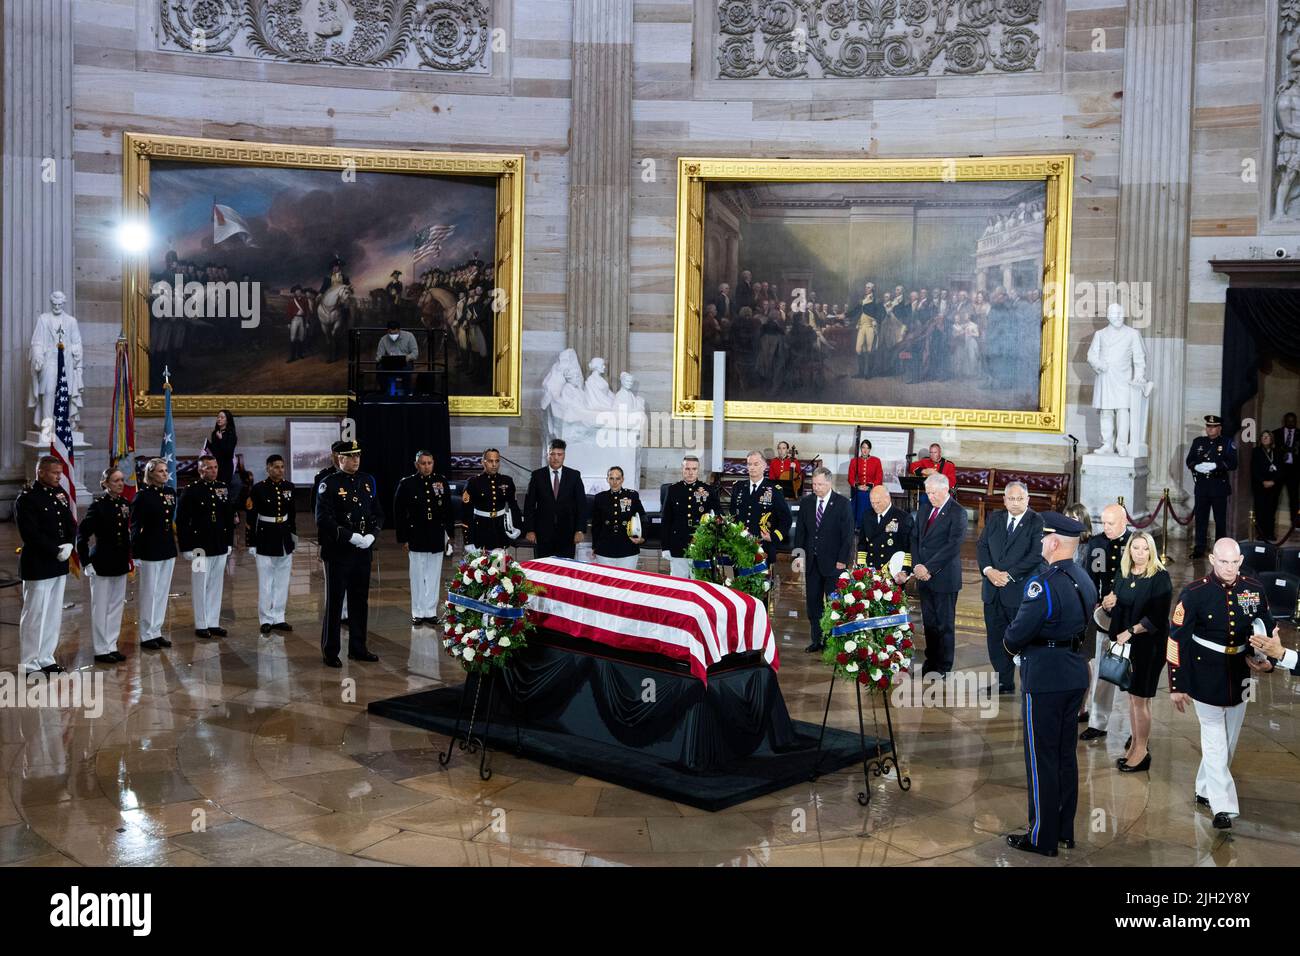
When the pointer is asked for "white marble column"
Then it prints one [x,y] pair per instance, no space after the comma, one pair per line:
[36,241]
[1153,229]
[600,189]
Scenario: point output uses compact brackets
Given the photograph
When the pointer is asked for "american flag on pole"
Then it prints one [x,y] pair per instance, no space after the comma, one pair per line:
[696,622]
[61,445]
[168,451]
[428,241]
[121,439]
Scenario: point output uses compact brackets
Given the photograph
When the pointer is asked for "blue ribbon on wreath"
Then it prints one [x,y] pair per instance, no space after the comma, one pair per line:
[723,561]
[870,624]
[461,600]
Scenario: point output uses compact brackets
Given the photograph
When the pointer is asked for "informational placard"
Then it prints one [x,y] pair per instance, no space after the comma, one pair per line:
[891,446]
[309,448]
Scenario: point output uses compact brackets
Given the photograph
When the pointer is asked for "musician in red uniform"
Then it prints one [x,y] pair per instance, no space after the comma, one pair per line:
[936,464]
[865,472]
[785,470]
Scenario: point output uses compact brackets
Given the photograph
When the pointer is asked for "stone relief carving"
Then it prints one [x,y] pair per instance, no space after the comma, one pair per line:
[846,39]
[442,35]
[1286,114]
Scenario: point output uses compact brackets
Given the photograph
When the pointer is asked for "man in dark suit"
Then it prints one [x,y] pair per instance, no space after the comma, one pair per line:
[823,546]
[1010,550]
[744,292]
[884,531]
[1287,441]
[724,302]
[936,558]
[555,506]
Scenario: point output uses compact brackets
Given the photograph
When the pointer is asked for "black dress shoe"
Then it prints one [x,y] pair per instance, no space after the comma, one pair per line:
[218,631]
[1143,764]
[813,648]
[1201,801]
[265,628]
[202,632]
[107,659]
[119,656]
[366,656]
[1222,821]
[417,621]
[1067,843]
[282,626]
[163,642]
[152,645]
[53,669]
[1092,733]
[1021,841]
[333,662]
[430,622]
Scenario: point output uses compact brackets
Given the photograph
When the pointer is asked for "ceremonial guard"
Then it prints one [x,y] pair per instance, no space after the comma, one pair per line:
[153,547]
[47,528]
[1104,552]
[1044,640]
[331,469]
[688,501]
[786,471]
[865,472]
[1211,458]
[205,530]
[759,505]
[271,536]
[1209,643]
[884,531]
[493,520]
[617,523]
[107,563]
[422,519]
[347,520]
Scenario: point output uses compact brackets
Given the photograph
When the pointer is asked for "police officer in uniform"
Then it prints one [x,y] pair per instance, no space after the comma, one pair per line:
[688,501]
[271,536]
[331,469]
[1046,635]
[1208,650]
[884,531]
[1104,553]
[205,522]
[106,565]
[347,520]
[1211,458]
[153,547]
[47,528]
[493,520]
[617,523]
[422,518]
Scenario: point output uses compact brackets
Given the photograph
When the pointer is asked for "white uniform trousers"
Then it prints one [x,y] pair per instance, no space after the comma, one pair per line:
[1220,728]
[107,599]
[1105,695]
[426,574]
[628,562]
[680,568]
[38,626]
[155,584]
[206,587]
[272,587]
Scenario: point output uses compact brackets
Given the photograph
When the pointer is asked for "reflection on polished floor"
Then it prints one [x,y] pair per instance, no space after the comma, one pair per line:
[246,750]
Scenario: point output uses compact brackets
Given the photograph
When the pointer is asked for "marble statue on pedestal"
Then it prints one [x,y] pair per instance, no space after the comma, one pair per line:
[1121,390]
[599,427]
[52,328]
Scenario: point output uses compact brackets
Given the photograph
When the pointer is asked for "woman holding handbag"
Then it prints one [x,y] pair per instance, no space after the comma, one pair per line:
[1139,617]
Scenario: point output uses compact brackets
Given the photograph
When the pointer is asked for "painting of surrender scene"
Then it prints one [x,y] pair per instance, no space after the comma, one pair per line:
[327,255]
[925,294]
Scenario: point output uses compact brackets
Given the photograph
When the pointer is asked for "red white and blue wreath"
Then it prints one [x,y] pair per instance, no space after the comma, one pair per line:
[486,620]
[868,632]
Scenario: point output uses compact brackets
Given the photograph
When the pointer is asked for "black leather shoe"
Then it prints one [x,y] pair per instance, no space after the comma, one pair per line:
[282,626]
[1092,733]
[107,659]
[333,662]
[1143,764]
[202,632]
[1222,821]
[365,656]
[218,631]
[265,628]
[1067,843]
[53,669]
[430,622]
[153,645]
[119,656]
[1201,801]
[417,622]
[1021,841]
[813,648]
[163,642]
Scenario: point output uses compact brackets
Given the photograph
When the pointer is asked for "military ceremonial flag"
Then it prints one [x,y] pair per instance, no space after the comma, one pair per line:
[121,440]
[168,452]
[61,446]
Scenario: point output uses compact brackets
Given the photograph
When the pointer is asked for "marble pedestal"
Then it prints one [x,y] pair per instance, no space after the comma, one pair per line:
[1104,479]
[36,448]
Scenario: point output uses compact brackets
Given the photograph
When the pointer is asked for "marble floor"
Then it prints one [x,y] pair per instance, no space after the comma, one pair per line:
[246,750]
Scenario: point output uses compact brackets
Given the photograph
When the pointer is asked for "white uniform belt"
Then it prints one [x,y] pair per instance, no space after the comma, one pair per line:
[1222,649]
[488,514]
[273,520]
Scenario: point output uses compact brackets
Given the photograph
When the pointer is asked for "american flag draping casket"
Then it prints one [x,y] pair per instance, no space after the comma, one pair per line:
[691,621]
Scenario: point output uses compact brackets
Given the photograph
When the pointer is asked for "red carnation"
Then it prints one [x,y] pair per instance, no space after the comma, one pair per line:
[863,678]
[862,653]
[858,574]
[841,658]
[905,642]
[883,682]
[836,606]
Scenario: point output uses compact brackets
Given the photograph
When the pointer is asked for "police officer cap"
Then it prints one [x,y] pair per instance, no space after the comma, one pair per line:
[349,448]
[1213,420]
[340,446]
[1056,523]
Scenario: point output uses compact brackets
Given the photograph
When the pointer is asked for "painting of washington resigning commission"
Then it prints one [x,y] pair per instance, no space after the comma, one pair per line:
[315,253]
[887,300]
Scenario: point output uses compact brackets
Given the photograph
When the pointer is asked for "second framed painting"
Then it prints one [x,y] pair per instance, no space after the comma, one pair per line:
[919,292]
[264,261]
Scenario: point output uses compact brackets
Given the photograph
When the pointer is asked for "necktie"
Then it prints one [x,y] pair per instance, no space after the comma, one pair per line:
[753,490]
[821,505]
[555,483]
[934,513]
[1011,526]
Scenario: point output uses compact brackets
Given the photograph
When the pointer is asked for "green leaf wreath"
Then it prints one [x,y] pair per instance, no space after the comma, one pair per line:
[724,552]
[876,656]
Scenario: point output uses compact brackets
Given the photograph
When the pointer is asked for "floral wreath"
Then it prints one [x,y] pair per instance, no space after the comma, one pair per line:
[868,633]
[724,552]
[486,622]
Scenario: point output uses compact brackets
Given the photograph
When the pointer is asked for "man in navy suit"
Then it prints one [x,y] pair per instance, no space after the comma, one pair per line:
[1009,552]
[555,506]
[823,546]
[936,563]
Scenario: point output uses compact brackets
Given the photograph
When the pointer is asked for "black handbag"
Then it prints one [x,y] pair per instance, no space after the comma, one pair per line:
[1115,667]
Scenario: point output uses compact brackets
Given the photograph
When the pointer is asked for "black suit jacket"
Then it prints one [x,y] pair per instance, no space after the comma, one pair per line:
[939,548]
[1020,556]
[1279,438]
[555,519]
[831,543]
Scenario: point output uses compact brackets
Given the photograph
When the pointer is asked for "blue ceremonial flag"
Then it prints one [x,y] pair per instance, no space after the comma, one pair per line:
[168,452]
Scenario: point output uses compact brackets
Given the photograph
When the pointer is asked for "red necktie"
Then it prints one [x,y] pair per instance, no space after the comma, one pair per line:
[934,513]
[555,484]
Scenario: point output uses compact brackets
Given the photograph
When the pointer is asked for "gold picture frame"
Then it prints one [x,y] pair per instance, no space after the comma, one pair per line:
[140,149]
[694,173]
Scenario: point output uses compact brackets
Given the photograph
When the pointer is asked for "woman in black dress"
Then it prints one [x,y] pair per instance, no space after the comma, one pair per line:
[221,445]
[1139,617]
[1266,483]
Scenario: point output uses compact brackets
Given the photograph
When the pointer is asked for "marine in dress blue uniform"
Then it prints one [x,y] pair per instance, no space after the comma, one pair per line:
[1211,458]
[271,536]
[48,528]
[1046,634]
[347,520]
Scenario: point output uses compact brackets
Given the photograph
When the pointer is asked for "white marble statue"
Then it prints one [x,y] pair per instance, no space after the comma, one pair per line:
[1286,104]
[601,428]
[53,327]
[1117,356]
[599,395]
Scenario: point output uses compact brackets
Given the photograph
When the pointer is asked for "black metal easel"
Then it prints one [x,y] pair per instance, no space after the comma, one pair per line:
[468,741]
[879,764]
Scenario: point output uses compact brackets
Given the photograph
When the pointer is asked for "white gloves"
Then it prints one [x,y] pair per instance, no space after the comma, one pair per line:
[65,551]
[666,555]
[449,550]
[90,570]
[253,552]
[187,555]
[1205,467]
[356,540]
